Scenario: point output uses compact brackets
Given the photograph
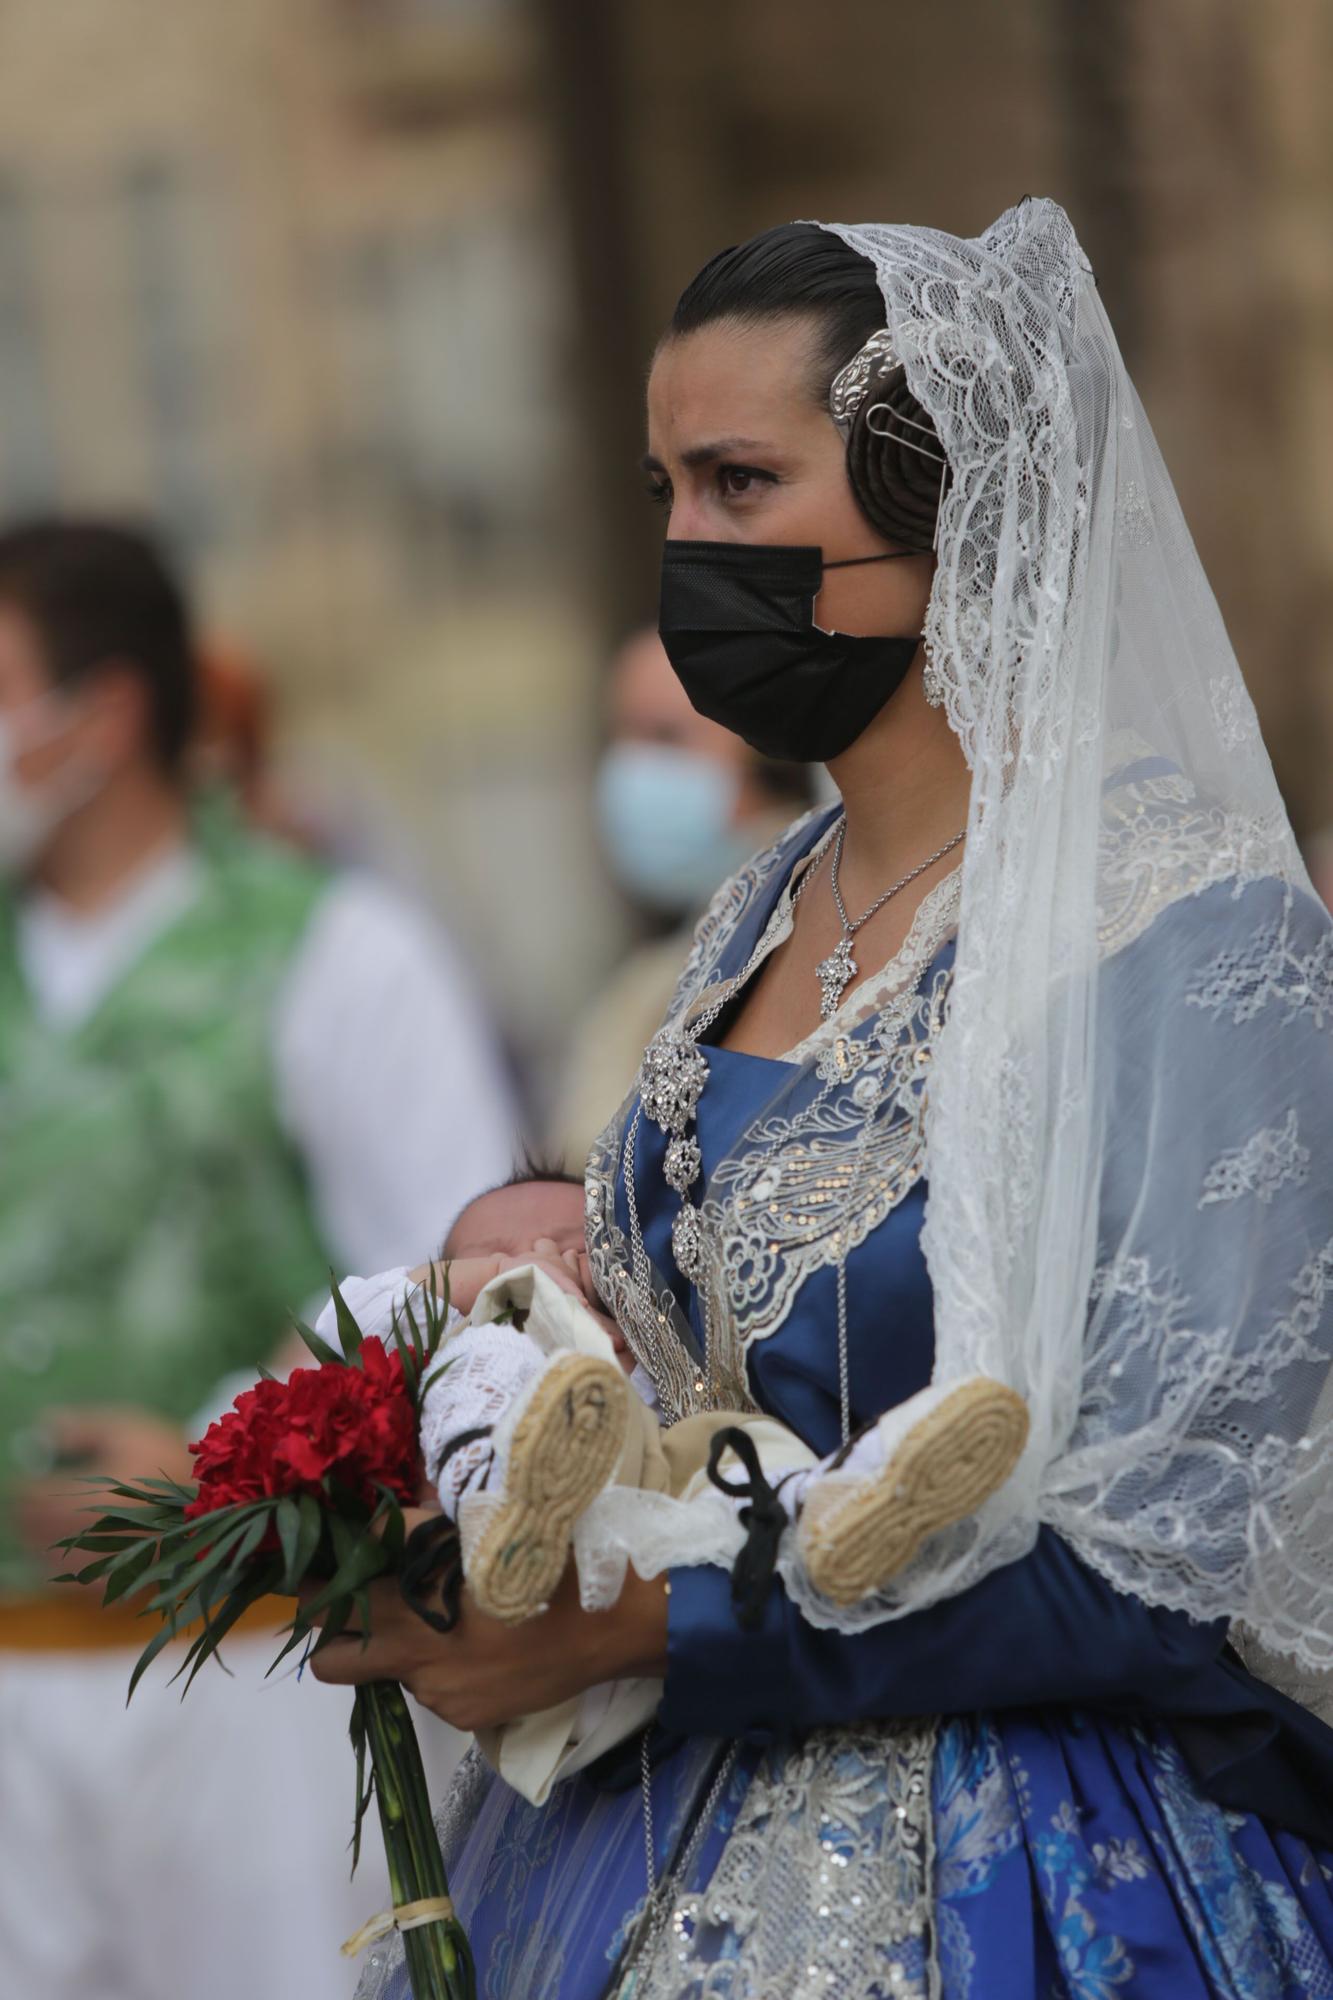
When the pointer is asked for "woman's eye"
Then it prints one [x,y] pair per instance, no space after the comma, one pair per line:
[738,479]
[659,492]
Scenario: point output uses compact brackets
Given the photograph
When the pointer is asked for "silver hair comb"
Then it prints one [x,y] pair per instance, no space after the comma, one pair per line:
[850,383]
[848,393]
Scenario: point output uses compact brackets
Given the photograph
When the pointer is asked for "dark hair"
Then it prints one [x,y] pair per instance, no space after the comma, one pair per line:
[801,269]
[532,1170]
[97,593]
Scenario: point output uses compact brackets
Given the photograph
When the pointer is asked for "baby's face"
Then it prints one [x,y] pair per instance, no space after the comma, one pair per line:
[540,1217]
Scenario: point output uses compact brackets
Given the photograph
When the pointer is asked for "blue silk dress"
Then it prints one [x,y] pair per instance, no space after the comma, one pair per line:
[1119,1807]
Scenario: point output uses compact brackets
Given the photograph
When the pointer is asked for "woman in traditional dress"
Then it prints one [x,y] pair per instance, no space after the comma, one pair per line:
[1016,1062]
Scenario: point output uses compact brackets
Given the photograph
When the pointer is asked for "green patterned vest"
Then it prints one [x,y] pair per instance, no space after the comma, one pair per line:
[155,1231]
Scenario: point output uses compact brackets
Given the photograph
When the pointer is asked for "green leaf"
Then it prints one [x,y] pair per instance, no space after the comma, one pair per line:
[183,1568]
[124,1576]
[349,1333]
[334,1624]
[418,1344]
[393,1533]
[327,1357]
[296,1637]
[440,1368]
[365,1782]
[207,1645]
[366,1560]
[162,1637]
[407,1359]
[312,1525]
[289,1535]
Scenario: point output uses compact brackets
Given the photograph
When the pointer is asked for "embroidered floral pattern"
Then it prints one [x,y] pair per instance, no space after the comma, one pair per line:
[1233,712]
[823,1885]
[1160,842]
[1263,1165]
[1269,969]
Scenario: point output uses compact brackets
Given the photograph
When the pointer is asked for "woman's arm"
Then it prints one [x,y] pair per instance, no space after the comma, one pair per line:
[1043,1629]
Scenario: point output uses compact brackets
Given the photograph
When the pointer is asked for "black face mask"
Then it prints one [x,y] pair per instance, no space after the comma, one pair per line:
[738,625]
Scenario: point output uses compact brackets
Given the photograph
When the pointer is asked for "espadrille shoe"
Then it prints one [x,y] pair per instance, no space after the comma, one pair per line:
[859,1528]
[559,1445]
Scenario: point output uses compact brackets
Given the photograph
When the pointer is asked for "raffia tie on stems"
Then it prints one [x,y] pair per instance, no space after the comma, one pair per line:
[403,1917]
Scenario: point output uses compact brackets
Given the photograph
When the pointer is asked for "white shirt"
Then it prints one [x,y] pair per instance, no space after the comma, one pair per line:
[387,1081]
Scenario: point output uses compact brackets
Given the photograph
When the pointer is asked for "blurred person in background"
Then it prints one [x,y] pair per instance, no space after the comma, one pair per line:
[681,804]
[222,1070]
[313,797]
[229,752]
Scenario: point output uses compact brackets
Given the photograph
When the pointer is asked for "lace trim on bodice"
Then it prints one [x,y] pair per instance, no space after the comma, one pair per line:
[805,1183]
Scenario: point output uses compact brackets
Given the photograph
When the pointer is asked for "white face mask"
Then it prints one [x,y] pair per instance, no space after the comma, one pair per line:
[665,817]
[30,814]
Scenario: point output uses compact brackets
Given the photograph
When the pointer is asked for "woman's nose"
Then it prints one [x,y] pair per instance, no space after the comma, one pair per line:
[687,521]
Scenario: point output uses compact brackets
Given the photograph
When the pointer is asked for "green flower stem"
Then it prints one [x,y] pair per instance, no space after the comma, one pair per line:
[439,1960]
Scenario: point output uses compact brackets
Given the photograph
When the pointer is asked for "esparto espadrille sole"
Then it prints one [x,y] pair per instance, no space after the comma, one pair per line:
[564,1449]
[944,1468]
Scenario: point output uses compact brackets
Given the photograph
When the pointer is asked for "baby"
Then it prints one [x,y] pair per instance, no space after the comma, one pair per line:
[541,1444]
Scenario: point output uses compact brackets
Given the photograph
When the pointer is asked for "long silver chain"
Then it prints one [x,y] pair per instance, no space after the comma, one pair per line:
[657,1905]
[836,972]
[852,928]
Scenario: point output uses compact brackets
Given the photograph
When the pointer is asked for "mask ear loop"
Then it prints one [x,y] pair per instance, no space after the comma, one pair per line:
[855,562]
[912,444]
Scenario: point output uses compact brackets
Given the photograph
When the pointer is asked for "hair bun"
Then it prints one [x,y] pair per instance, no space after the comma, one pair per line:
[897,484]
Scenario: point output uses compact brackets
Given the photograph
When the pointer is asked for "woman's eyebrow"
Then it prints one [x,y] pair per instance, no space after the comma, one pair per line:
[708,454]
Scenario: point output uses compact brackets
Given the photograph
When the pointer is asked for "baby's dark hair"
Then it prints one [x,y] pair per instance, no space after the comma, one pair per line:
[531,1171]
[802,270]
[532,1168]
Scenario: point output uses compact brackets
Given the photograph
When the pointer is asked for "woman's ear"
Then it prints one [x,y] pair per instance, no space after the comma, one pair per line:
[117,728]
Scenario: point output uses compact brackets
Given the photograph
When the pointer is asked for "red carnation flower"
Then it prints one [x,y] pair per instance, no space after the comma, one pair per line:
[353,1427]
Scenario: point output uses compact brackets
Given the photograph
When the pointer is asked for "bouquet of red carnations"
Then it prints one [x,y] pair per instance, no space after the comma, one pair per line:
[301,1487]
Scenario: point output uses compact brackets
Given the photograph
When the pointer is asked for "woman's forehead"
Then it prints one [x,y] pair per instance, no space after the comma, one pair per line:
[730,383]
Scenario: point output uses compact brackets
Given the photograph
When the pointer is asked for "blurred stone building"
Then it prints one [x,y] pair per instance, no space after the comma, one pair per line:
[356,297]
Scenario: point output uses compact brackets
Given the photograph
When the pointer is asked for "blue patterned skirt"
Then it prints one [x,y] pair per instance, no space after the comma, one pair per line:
[1063,1855]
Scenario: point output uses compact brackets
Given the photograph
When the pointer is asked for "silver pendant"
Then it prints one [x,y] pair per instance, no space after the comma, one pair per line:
[835,973]
[682,1165]
[671,1080]
[687,1246]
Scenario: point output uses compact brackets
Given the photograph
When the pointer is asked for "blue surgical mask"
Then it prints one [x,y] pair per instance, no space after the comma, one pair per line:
[665,817]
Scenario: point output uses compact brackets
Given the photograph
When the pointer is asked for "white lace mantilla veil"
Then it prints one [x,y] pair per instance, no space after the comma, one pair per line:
[1149,1262]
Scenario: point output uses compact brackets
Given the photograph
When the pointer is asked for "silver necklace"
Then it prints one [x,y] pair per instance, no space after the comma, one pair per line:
[836,972]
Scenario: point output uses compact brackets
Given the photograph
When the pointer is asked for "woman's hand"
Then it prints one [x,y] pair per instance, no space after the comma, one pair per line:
[484,1673]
